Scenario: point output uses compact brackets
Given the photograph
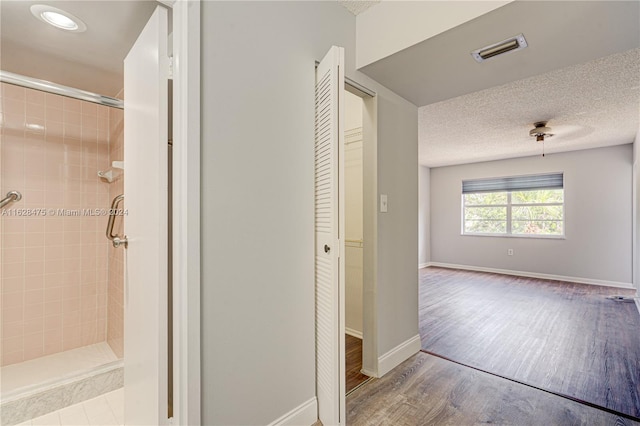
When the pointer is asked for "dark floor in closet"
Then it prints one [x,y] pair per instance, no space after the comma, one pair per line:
[353,362]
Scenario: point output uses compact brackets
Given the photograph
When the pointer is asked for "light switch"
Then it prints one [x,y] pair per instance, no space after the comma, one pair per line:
[383,203]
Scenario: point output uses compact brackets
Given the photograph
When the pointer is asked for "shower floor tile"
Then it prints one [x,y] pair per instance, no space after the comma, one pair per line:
[53,367]
[107,409]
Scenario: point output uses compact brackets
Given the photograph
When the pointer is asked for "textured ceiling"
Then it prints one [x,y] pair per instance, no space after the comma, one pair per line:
[358,6]
[590,105]
[91,60]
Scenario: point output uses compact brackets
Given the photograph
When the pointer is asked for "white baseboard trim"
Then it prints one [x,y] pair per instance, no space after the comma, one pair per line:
[352,332]
[536,275]
[399,354]
[424,265]
[304,414]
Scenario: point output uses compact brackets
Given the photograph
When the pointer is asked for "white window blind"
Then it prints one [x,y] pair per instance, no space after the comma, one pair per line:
[514,183]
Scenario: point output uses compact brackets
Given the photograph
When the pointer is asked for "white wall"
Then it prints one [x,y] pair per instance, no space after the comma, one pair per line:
[424,219]
[352,111]
[391,26]
[598,223]
[353,215]
[258,346]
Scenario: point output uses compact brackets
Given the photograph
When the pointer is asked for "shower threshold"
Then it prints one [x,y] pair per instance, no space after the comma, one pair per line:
[32,388]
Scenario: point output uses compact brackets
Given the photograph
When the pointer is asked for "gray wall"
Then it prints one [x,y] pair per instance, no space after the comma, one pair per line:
[258,348]
[424,212]
[397,292]
[598,223]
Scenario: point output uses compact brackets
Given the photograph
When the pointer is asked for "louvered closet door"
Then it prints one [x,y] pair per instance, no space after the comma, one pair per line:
[329,230]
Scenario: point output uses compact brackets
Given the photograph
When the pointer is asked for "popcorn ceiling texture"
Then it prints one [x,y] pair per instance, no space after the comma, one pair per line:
[590,105]
[358,6]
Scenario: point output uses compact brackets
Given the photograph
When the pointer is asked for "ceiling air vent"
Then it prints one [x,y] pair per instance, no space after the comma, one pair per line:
[509,45]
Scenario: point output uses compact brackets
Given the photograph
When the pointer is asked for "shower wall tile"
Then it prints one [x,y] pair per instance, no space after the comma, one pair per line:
[54,259]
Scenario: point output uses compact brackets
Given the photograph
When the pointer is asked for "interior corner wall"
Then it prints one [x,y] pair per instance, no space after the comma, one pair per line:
[424,220]
[258,331]
[598,223]
[353,111]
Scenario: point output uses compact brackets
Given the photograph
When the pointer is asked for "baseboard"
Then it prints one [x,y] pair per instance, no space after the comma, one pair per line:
[616,284]
[304,414]
[399,354]
[352,332]
[637,299]
[424,265]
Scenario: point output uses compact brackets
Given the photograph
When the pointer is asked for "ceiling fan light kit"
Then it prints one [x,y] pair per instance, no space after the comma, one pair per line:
[540,131]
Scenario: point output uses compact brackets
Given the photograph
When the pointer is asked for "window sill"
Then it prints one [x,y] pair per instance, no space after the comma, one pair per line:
[539,237]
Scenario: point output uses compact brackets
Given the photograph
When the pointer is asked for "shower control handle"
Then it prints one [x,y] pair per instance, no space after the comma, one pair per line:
[117,241]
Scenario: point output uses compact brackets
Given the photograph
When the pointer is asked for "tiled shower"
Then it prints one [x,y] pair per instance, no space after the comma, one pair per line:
[61,281]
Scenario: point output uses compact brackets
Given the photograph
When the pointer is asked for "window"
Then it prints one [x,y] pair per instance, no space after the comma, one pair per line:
[518,206]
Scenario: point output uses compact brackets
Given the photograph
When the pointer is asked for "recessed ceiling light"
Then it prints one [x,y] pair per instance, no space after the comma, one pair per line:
[58,18]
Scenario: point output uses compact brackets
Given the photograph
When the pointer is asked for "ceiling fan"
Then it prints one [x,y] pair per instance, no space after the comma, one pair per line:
[541,132]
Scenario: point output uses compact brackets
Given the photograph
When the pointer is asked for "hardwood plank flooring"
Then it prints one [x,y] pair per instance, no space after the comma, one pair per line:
[426,390]
[562,337]
[353,361]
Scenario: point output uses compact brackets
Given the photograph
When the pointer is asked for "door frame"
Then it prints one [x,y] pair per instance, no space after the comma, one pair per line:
[370,235]
[369,224]
[186,211]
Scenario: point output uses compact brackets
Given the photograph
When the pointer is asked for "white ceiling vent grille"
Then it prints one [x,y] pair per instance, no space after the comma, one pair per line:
[509,45]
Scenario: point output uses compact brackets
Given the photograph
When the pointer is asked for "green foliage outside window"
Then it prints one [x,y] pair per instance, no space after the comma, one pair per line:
[539,212]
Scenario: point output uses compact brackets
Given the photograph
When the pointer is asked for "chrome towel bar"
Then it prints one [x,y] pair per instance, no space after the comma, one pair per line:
[11,196]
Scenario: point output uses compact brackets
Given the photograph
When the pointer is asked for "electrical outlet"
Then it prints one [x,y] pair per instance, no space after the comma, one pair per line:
[509,252]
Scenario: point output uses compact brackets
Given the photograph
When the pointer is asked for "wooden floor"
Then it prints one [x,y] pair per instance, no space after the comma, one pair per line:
[353,361]
[562,337]
[426,390]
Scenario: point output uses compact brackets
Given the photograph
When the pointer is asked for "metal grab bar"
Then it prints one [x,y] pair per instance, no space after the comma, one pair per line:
[115,239]
[11,196]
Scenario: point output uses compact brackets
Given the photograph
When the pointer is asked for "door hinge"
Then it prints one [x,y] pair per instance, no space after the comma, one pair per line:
[171,67]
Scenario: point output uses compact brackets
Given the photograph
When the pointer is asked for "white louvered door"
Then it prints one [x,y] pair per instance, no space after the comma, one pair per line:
[329,238]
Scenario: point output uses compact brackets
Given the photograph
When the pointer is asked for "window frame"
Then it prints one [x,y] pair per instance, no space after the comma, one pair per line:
[509,207]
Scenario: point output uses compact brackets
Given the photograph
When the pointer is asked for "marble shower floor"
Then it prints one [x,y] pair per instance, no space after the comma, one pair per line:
[106,409]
